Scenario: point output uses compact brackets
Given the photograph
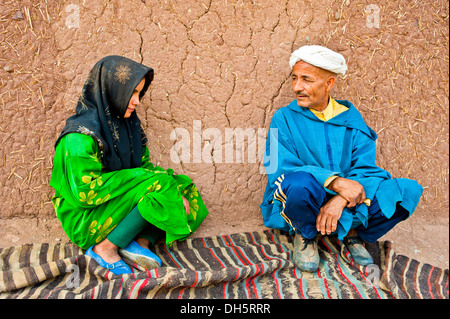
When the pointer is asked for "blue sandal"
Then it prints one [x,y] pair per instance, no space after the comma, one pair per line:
[141,256]
[117,268]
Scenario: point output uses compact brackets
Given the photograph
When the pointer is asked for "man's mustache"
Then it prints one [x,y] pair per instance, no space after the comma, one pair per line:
[301,93]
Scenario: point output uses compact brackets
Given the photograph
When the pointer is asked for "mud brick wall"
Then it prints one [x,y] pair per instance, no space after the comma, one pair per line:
[222,66]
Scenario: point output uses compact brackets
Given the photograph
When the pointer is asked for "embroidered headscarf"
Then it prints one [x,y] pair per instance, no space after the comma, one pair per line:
[101,108]
[320,57]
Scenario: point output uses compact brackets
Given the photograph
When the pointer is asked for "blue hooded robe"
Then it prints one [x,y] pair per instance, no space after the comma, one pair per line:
[343,146]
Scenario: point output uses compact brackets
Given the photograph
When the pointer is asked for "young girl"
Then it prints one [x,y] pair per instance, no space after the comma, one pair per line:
[109,197]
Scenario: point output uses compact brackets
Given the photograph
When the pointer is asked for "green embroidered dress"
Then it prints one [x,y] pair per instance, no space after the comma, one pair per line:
[90,201]
[102,168]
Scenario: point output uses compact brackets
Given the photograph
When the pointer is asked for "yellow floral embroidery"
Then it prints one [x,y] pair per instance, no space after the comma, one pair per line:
[88,198]
[155,172]
[193,208]
[194,192]
[95,157]
[56,201]
[105,229]
[102,230]
[94,179]
[91,228]
[154,187]
[102,200]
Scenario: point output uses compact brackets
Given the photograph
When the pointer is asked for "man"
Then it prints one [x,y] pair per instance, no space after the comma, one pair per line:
[325,179]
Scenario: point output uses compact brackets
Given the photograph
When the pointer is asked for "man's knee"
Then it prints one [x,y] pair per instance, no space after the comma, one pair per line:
[303,190]
[301,183]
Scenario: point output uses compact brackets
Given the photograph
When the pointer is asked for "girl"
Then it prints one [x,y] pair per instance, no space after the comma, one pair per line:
[109,197]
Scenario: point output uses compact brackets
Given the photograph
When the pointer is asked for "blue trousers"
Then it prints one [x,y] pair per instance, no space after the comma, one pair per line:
[305,196]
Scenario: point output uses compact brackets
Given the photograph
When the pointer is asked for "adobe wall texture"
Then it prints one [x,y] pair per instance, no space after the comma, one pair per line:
[223,64]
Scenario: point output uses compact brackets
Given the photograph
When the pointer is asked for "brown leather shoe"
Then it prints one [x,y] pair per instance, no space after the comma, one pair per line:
[306,254]
[355,246]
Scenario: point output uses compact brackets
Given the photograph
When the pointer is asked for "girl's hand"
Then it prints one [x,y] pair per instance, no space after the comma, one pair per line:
[186,205]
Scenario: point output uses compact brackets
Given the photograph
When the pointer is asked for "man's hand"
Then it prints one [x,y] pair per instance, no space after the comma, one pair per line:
[350,190]
[329,215]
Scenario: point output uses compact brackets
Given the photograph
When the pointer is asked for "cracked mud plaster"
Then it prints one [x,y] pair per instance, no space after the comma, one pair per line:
[224,63]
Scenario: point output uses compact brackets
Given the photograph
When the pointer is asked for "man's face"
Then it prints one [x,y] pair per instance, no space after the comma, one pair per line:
[311,85]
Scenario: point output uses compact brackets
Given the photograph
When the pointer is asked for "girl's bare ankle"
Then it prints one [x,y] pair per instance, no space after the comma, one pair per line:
[107,251]
[144,243]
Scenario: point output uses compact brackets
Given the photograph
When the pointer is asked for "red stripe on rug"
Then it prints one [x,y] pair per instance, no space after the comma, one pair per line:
[235,252]
[165,249]
[212,253]
[340,269]
[429,283]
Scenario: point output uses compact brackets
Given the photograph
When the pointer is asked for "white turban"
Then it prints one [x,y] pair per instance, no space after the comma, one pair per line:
[320,57]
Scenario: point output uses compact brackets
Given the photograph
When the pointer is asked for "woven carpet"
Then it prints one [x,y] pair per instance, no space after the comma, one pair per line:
[254,265]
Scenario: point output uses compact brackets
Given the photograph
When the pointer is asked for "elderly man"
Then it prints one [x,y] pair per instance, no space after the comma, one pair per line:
[325,179]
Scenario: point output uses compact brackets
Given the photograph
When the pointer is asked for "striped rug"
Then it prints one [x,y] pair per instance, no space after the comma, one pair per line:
[253,265]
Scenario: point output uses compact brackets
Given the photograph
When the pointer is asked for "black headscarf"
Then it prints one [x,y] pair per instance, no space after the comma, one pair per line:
[101,108]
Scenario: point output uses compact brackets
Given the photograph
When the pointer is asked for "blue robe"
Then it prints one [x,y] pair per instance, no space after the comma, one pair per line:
[343,146]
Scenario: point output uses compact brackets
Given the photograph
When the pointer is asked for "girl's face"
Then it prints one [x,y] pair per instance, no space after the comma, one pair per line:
[134,101]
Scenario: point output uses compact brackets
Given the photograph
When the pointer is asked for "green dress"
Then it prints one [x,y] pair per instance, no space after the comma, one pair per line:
[90,201]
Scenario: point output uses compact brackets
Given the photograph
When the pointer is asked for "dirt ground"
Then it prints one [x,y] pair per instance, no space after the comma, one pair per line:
[225,63]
